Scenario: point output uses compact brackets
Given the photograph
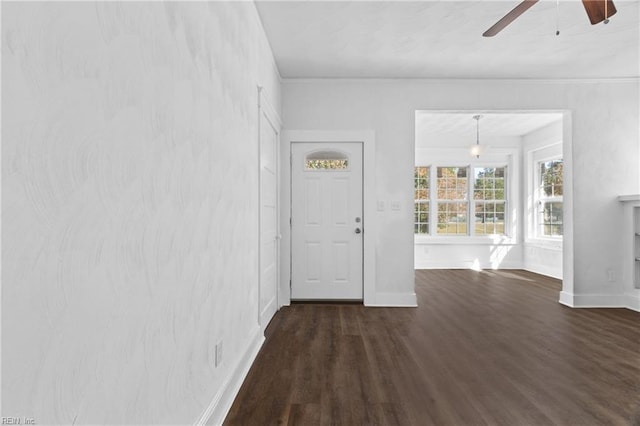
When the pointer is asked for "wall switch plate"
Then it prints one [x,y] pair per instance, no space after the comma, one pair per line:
[611,275]
[380,206]
[218,353]
[395,205]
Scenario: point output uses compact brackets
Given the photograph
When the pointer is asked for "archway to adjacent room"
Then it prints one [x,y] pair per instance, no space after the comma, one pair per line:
[490,191]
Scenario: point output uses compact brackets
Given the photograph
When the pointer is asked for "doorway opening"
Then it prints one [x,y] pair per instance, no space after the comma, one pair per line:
[490,193]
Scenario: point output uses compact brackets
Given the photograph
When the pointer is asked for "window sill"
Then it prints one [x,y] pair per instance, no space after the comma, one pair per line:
[464,240]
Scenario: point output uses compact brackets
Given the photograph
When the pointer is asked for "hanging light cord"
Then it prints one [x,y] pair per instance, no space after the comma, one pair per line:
[606,12]
[558,17]
[477,117]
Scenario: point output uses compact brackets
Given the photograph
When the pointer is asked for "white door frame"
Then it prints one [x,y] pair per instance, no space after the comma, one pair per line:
[266,110]
[370,223]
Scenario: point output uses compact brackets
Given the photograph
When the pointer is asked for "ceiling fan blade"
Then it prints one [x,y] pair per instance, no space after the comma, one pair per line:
[509,18]
[596,10]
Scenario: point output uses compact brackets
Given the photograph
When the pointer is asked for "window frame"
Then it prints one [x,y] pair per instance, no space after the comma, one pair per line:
[539,200]
[505,159]
[440,201]
[532,156]
[427,201]
[504,201]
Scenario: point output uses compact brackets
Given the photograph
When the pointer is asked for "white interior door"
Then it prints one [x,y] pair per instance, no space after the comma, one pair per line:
[326,221]
[268,219]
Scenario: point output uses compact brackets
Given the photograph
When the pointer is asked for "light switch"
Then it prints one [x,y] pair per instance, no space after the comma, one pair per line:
[395,205]
[380,206]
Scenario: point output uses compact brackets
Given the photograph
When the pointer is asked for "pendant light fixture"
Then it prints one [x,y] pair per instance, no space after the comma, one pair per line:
[476,149]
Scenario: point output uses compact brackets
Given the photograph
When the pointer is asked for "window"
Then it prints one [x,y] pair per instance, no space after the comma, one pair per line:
[489,200]
[326,160]
[549,198]
[421,190]
[452,200]
[455,213]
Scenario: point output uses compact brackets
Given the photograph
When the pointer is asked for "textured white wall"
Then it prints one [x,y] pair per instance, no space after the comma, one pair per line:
[605,153]
[129,194]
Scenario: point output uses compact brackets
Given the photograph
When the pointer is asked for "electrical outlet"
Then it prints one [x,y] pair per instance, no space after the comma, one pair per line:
[219,353]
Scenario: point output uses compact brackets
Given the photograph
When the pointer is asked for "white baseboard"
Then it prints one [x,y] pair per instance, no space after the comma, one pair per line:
[466,265]
[267,313]
[543,270]
[219,407]
[629,301]
[598,300]
[566,299]
[633,302]
[400,300]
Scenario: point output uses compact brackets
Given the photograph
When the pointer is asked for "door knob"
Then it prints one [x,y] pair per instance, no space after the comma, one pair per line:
[358,230]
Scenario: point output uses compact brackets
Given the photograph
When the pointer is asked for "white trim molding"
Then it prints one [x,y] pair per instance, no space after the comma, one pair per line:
[632,301]
[401,300]
[628,301]
[219,407]
[542,269]
[268,115]
[566,299]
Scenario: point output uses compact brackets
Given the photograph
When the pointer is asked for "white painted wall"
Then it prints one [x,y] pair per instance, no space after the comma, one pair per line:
[539,255]
[603,123]
[130,206]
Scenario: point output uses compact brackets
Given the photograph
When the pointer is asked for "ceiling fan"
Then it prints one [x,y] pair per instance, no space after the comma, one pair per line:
[597,10]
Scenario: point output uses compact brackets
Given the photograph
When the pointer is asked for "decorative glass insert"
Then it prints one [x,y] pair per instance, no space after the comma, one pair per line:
[549,194]
[326,160]
[489,196]
[422,194]
[452,193]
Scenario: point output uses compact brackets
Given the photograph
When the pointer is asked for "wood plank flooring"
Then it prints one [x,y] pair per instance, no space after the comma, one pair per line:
[482,348]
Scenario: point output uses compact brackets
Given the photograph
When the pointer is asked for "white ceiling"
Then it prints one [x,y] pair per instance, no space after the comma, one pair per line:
[443,39]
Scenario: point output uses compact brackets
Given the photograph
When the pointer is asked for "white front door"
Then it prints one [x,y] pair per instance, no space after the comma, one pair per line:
[268,218]
[326,221]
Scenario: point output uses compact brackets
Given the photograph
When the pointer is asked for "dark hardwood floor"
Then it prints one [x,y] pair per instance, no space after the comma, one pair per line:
[492,347]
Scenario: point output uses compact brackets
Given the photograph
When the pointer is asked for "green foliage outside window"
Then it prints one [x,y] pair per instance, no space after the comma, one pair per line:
[489,196]
[452,193]
[326,164]
[421,196]
[551,182]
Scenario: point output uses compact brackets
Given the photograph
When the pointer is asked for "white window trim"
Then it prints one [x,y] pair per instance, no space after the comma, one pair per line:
[533,158]
[428,200]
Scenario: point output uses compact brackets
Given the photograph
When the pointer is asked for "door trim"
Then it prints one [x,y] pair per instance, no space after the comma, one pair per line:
[266,110]
[370,234]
